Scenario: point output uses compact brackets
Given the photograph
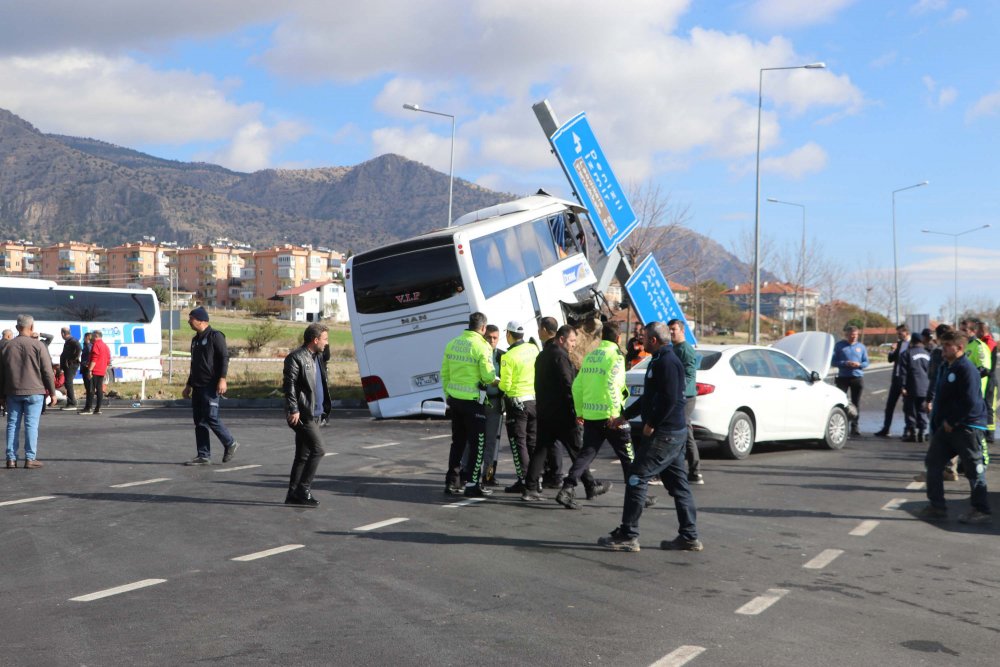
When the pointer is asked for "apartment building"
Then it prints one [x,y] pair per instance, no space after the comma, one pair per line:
[20,258]
[71,262]
[212,272]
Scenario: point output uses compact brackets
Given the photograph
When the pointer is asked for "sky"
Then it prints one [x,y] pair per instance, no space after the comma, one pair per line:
[910,93]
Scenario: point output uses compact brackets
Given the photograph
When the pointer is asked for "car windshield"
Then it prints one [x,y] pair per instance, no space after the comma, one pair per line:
[707,359]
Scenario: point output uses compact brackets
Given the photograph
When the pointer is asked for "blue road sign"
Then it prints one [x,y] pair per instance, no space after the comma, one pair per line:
[595,184]
[652,297]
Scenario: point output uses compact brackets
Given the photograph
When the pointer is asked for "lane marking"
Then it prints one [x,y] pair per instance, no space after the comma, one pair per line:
[26,500]
[330,454]
[268,552]
[679,656]
[916,486]
[254,465]
[437,437]
[762,602]
[864,528]
[381,524]
[879,391]
[117,590]
[466,502]
[145,481]
[894,504]
[384,444]
[824,558]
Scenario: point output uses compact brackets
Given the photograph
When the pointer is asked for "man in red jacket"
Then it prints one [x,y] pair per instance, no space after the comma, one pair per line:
[100,359]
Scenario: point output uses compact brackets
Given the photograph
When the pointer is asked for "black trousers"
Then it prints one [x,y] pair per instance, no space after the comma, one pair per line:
[595,433]
[88,388]
[308,453]
[70,373]
[570,435]
[855,385]
[691,453]
[468,430]
[97,385]
[914,411]
[895,390]
[522,430]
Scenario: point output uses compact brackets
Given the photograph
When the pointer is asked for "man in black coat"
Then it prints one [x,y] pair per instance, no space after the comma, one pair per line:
[69,361]
[307,400]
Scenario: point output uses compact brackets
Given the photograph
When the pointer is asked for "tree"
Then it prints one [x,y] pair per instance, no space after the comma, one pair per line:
[261,334]
[162,294]
[661,222]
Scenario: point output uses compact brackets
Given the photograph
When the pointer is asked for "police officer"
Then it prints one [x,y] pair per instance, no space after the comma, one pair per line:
[517,382]
[205,384]
[466,371]
[494,412]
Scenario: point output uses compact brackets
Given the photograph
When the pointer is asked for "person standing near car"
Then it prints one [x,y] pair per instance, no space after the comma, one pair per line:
[851,359]
[25,378]
[686,353]
[307,400]
[896,384]
[206,384]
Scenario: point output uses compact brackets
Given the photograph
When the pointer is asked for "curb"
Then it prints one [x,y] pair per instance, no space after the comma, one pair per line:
[239,403]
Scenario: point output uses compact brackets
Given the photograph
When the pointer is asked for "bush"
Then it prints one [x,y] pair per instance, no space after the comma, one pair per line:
[261,334]
[260,307]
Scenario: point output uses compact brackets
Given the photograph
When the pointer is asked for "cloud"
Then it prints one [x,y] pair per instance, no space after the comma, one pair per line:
[958,15]
[796,13]
[987,105]
[884,60]
[940,264]
[926,6]
[421,144]
[254,145]
[807,159]
[938,97]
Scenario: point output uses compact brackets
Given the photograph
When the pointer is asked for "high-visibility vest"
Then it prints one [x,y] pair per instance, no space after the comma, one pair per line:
[467,363]
[599,390]
[517,370]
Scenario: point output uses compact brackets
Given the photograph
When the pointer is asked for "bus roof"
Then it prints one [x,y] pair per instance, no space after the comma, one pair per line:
[37,283]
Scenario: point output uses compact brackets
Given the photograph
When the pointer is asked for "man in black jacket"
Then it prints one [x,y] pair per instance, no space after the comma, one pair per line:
[307,400]
[69,361]
[664,431]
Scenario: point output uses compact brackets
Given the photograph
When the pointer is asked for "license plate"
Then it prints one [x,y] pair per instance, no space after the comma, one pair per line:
[635,391]
[427,379]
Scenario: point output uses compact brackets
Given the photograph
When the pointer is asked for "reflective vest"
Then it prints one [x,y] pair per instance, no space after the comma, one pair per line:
[467,363]
[599,390]
[978,353]
[517,370]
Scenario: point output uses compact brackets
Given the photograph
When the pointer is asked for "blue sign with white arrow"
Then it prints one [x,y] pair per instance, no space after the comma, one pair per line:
[595,184]
[652,297]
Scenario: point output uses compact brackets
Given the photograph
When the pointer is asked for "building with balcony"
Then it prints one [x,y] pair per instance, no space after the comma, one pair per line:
[209,272]
[19,258]
[71,262]
[779,301]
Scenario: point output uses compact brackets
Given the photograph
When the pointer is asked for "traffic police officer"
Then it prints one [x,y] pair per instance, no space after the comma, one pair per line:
[517,382]
[466,371]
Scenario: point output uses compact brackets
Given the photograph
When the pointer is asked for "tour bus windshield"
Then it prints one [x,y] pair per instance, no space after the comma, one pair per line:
[507,257]
[76,306]
[405,278]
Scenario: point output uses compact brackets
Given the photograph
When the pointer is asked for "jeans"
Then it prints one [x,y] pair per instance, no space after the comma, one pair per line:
[854,385]
[205,405]
[661,454]
[966,444]
[308,453]
[27,409]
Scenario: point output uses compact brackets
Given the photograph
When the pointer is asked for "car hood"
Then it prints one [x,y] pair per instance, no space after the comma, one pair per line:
[813,349]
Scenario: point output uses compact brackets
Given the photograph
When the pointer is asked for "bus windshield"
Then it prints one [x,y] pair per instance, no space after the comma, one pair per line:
[389,282]
[83,306]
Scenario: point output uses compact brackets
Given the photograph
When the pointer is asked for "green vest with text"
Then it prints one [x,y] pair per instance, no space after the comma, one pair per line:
[517,370]
[599,390]
[467,363]
[978,353]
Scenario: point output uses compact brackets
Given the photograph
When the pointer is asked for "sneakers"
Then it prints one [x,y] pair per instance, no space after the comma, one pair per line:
[855,432]
[884,433]
[198,461]
[616,541]
[931,513]
[531,495]
[975,518]
[682,544]
[598,489]
[516,487]
[565,498]
[85,412]
[552,483]
[230,452]
[301,501]
[450,490]
[476,491]
[696,478]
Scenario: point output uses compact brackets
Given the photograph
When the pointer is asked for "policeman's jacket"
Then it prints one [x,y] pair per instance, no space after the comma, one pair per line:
[209,358]
[915,362]
[978,353]
[554,375]
[517,370]
[467,364]
[599,390]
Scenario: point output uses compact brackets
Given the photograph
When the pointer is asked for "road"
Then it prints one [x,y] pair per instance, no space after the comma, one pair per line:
[114,554]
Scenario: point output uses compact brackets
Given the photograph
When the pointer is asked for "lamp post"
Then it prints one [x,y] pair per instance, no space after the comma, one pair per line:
[756,214]
[451,163]
[802,259]
[895,266]
[955,237]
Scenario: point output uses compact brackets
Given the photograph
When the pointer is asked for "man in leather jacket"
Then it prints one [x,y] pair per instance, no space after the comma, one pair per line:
[307,400]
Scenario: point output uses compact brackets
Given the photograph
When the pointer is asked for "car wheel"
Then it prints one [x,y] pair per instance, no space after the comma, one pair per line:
[835,436]
[739,440]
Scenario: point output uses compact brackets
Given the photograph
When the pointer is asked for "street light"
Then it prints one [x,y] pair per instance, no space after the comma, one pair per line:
[955,237]
[802,260]
[895,266]
[756,214]
[451,164]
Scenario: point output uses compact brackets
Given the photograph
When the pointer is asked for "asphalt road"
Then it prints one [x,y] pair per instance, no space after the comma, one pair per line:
[812,557]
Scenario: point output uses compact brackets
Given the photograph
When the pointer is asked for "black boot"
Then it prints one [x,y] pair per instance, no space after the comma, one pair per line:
[920,435]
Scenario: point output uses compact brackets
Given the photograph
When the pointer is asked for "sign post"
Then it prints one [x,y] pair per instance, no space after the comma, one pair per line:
[653,299]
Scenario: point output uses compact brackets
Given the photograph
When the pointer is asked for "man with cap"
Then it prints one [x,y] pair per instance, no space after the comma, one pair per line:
[517,382]
[205,384]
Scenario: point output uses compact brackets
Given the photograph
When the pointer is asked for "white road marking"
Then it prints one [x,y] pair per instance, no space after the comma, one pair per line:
[381,524]
[864,528]
[824,558]
[268,552]
[762,602]
[255,465]
[330,454]
[916,486]
[879,391]
[894,504]
[145,481]
[466,502]
[437,437]
[679,656]
[90,597]
[26,500]
[384,444]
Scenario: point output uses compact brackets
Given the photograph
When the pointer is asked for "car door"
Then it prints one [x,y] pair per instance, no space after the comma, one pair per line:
[760,390]
[802,404]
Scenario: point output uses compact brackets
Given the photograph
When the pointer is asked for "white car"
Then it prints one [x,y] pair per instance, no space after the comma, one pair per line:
[749,393]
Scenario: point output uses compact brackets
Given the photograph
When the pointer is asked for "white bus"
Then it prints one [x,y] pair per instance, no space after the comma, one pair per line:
[129,320]
[516,261]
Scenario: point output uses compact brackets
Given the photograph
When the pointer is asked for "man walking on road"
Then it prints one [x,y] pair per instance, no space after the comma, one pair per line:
[25,378]
[896,386]
[690,359]
[69,361]
[205,385]
[307,400]
[851,359]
